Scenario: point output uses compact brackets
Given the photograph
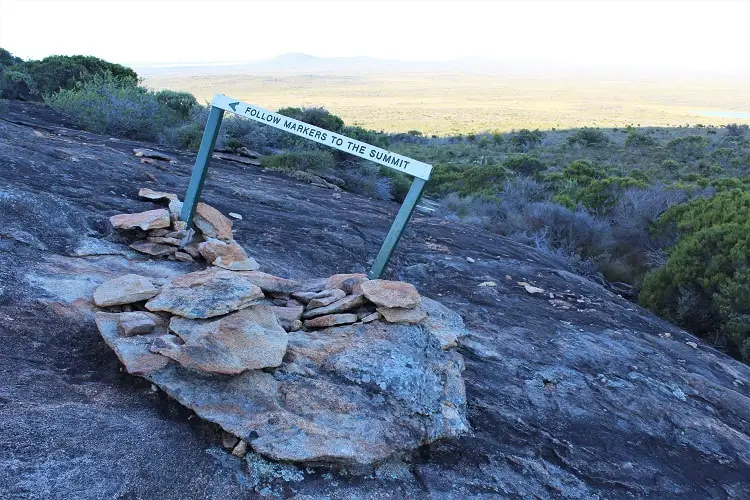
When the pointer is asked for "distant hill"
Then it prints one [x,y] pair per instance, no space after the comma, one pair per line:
[296,63]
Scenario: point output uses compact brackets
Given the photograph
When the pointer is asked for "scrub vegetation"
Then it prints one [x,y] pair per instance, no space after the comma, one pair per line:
[658,214]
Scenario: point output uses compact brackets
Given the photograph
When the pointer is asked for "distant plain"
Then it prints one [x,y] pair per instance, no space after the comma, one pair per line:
[460,103]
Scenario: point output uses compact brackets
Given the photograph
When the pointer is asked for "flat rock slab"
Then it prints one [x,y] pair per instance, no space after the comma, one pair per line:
[227,255]
[150,153]
[249,339]
[331,320]
[150,194]
[342,305]
[151,219]
[154,249]
[124,290]
[402,315]
[369,392]
[270,283]
[204,294]
[386,293]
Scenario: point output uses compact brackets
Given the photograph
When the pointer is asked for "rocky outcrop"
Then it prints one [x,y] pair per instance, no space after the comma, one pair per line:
[329,392]
[152,219]
[585,397]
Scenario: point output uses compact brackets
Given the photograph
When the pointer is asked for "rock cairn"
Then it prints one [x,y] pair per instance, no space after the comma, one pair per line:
[160,233]
[333,370]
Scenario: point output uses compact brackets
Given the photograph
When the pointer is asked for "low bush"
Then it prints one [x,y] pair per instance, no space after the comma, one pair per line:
[701,285]
[320,117]
[588,137]
[525,165]
[107,105]
[181,103]
[307,161]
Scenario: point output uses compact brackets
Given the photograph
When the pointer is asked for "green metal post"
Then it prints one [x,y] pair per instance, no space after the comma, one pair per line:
[397,228]
[198,177]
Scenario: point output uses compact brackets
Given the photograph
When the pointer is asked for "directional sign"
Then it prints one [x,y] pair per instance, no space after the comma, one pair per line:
[323,136]
[421,171]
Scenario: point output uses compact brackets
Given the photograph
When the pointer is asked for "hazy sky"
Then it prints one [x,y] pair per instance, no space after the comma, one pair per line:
[713,36]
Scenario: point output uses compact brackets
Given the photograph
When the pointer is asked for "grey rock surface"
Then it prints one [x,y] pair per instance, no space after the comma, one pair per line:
[204,294]
[588,402]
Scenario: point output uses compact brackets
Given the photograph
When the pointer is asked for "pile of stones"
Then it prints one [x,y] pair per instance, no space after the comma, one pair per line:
[332,370]
[161,233]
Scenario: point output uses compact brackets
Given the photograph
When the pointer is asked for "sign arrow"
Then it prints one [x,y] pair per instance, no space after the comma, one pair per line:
[233,105]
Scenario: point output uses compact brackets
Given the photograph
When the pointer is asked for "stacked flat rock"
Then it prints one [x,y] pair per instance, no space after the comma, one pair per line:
[160,233]
[341,370]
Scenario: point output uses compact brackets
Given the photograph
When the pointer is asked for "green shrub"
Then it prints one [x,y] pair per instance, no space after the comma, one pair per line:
[55,73]
[525,165]
[8,59]
[16,84]
[526,139]
[583,171]
[181,103]
[320,117]
[689,147]
[637,139]
[704,284]
[307,161]
[588,137]
[108,105]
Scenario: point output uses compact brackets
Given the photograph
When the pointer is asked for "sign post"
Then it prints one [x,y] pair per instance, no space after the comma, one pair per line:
[221,103]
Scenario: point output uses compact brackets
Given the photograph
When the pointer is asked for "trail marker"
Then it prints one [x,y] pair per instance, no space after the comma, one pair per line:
[221,103]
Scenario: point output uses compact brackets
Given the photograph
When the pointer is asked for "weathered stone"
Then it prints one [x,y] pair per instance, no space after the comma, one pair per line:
[235,215]
[158,232]
[337,280]
[444,324]
[124,290]
[135,323]
[212,223]
[386,293]
[183,257]
[270,283]
[150,194]
[351,285]
[370,317]
[229,441]
[227,255]
[175,209]
[296,325]
[402,315]
[371,391]
[249,339]
[326,297]
[163,240]
[151,219]
[155,249]
[342,305]
[312,285]
[241,449]
[133,352]
[204,294]
[150,153]
[330,320]
[288,316]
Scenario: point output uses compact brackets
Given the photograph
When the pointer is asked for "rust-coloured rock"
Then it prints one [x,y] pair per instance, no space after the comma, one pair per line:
[346,304]
[249,339]
[152,195]
[212,223]
[402,315]
[386,293]
[337,280]
[151,248]
[227,255]
[151,219]
[204,294]
[330,320]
